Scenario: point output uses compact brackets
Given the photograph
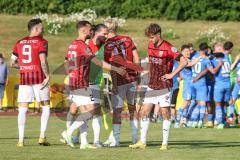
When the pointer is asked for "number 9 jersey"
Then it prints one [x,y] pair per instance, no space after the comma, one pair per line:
[26,51]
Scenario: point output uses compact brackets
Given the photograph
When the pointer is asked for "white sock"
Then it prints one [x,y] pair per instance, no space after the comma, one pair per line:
[75,125]
[144,129]
[166,128]
[116,133]
[83,133]
[96,125]
[134,127]
[44,120]
[70,119]
[21,122]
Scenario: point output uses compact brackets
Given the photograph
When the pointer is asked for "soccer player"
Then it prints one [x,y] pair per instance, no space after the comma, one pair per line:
[30,56]
[186,75]
[122,47]
[161,56]
[218,48]
[199,85]
[96,44]
[222,87]
[78,60]
[235,92]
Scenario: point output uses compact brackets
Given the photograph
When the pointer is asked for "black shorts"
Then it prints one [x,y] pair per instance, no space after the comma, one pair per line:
[174,95]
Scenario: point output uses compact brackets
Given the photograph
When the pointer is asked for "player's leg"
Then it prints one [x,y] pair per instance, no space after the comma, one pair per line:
[210,105]
[131,99]
[97,118]
[231,107]
[90,108]
[227,97]
[25,96]
[144,124]
[71,115]
[174,94]
[218,97]
[82,98]
[43,96]
[118,102]
[201,97]
[164,102]
[180,113]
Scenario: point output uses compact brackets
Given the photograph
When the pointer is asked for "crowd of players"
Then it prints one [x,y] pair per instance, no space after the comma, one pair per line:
[152,82]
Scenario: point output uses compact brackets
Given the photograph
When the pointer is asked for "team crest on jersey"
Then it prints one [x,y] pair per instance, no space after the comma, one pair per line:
[174,49]
[160,53]
[87,50]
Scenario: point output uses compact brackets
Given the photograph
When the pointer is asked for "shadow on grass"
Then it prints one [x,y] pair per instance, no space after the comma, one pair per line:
[191,144]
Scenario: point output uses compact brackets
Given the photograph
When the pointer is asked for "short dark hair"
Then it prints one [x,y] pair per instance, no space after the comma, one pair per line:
[185,46]
[228,45]
[33,22]
[81,24]
[1,56]
[153,29]
[203,46]
[98,27]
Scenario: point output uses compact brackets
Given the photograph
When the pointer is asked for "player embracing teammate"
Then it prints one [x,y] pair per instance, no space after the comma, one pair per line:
[161,57]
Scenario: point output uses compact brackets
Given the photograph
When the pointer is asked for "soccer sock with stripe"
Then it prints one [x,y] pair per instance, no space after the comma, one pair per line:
[144,129]
[21,122]
[218,114]
[96,125]
[166,129]
[44,120]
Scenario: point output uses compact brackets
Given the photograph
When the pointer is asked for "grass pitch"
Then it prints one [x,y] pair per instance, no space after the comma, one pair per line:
[185,144]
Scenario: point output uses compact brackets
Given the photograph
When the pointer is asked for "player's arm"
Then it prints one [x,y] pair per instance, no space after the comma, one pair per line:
[182,63]
[193,62]
[201,74]
[136,56]
[235,62]
[45,68]
[214,70]
[108,66]
[14,63]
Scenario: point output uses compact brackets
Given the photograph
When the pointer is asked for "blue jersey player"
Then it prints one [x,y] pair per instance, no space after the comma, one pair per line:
[222,89]
[186,75]
[200,86]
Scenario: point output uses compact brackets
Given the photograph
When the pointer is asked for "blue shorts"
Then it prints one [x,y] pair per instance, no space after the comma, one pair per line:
[210,94]
[187,90]
[200,91]
[222,92]
[2,86]
[236,91]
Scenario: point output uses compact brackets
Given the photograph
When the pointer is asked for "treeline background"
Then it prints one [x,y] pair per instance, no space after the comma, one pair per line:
[223,10]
